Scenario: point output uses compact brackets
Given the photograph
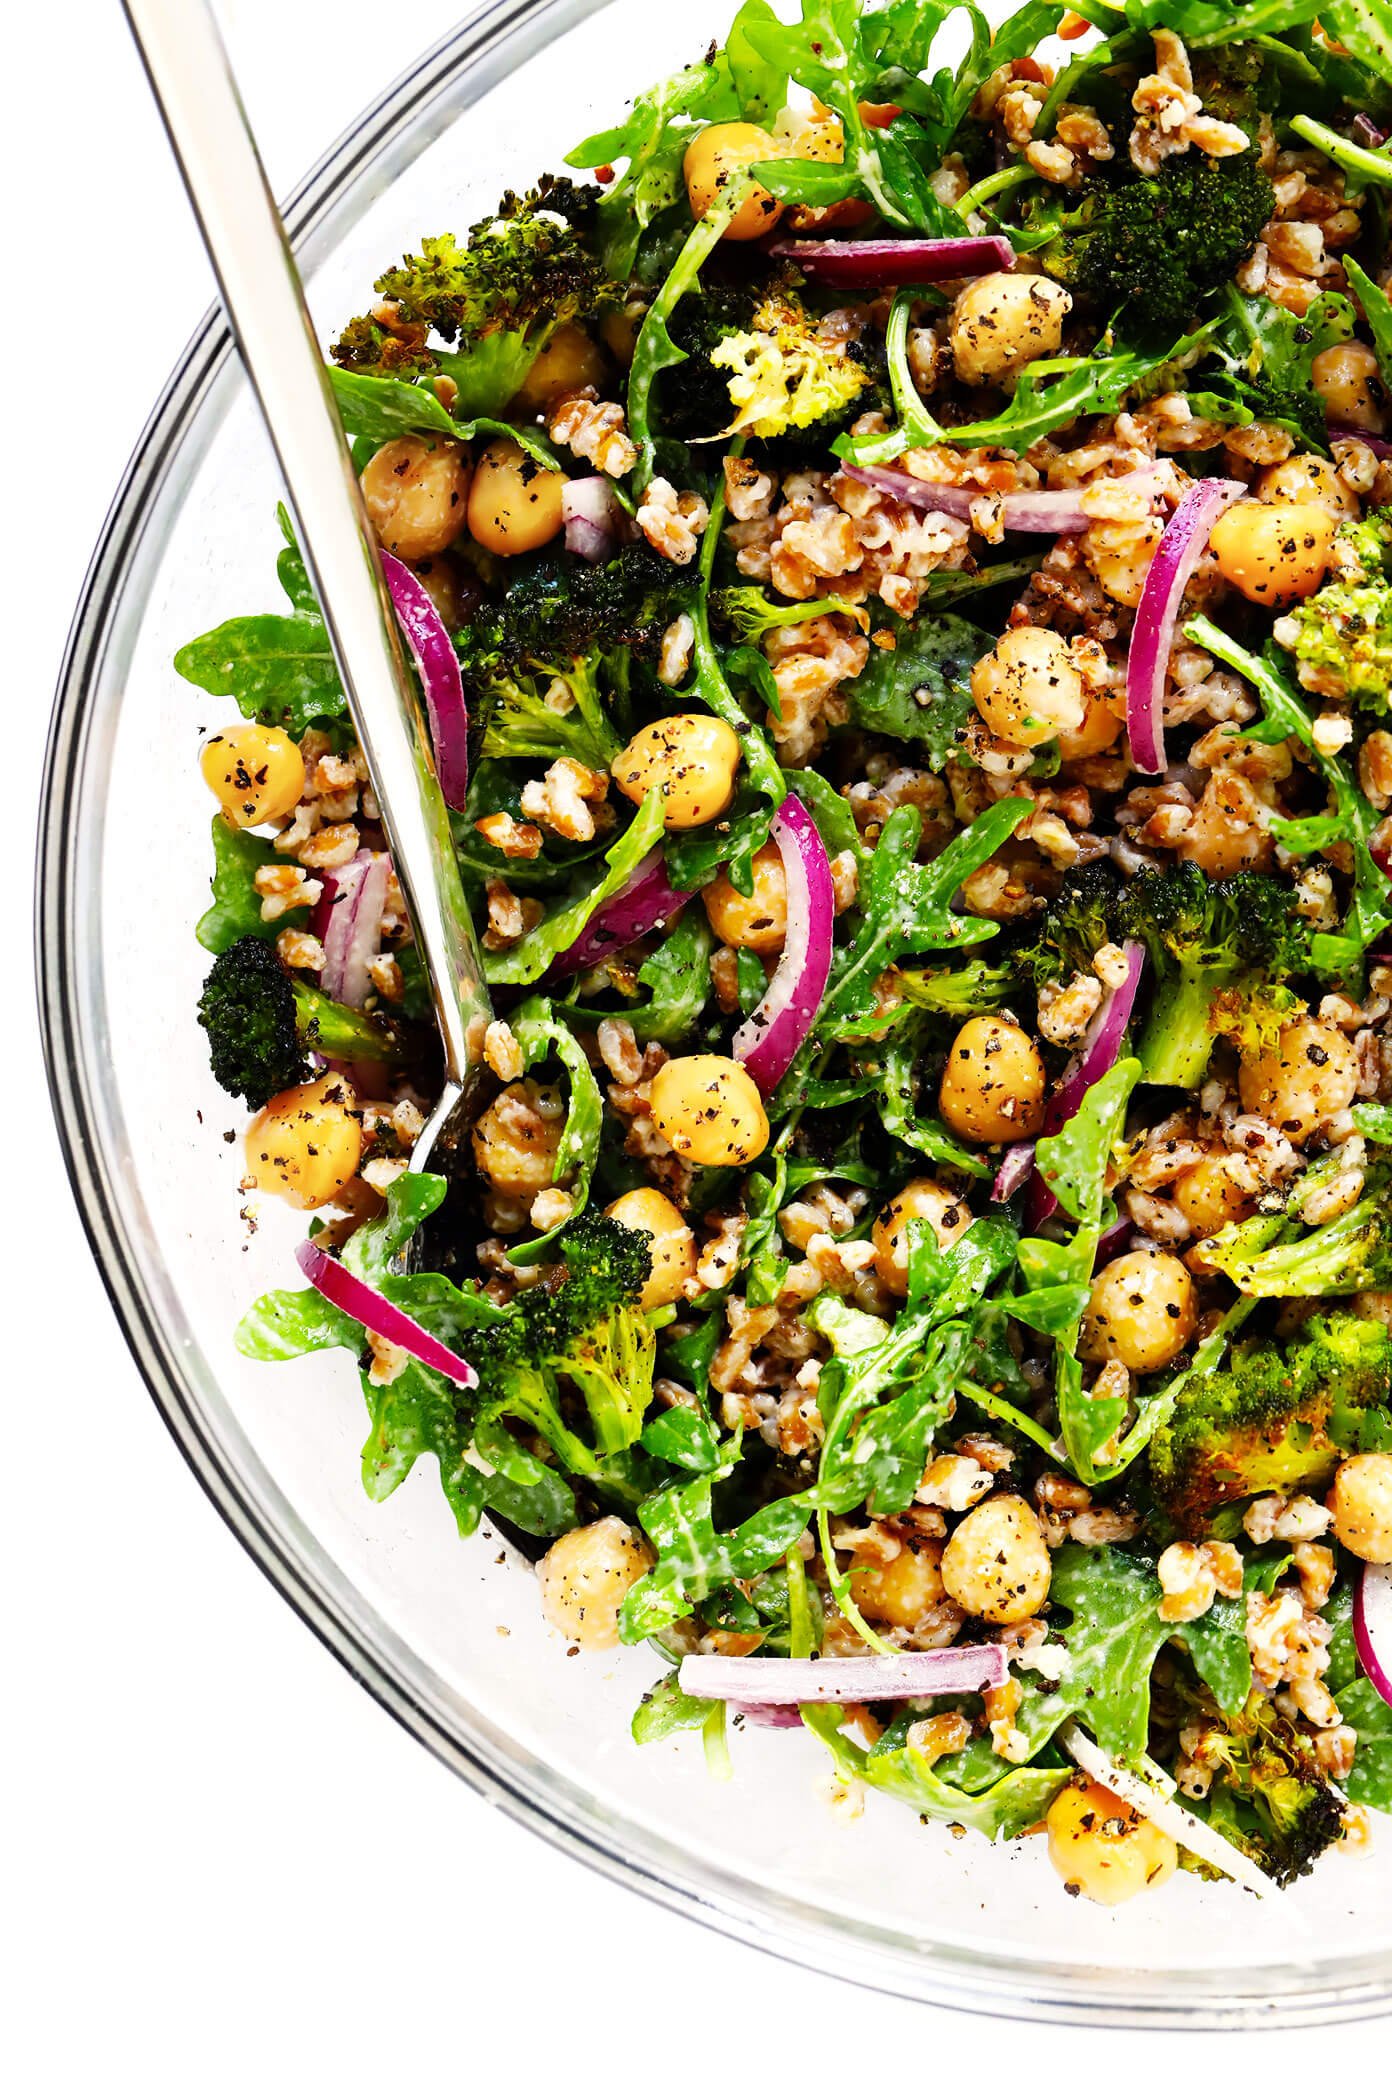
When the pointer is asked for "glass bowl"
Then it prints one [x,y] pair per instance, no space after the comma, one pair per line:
[448,1637]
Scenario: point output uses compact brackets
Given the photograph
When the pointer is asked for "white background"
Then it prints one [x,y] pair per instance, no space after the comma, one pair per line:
[221,1861]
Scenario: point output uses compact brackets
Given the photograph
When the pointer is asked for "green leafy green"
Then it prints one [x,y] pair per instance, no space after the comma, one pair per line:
[921,690]
[1015,1801]
[526,961]
[693,1559]
[236,907]
[540,1036]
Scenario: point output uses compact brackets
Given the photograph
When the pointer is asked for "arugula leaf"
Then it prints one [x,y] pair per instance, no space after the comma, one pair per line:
[280,669]
[1014,1802]
[891,1077]
[665,1710]
[1363,27]
[1269,356]
[677,976]
[693,1559]
[1377,309]
[525,963]
[921,690]
[1074,1160]
[656,351]
[539,1035]
[1370,1782]
[379,409]
[236,907]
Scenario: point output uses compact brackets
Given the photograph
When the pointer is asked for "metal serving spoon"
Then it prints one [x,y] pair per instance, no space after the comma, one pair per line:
[264,298]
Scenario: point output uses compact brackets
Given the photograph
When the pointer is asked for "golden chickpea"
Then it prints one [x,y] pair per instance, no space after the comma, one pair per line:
[709,1110]
[1350,386]
[1274,554]
[306,1145]
[1209,1196]
[514,502]
[1028,691]
[1101,728]
[759,922]
[902,1592]
[517,1138]
[672,1241]
[1103,1849]
[996,1564]
[1361,1502]
[585,1576]
[1303,479]
[1003,321]
[1308,1077]
[569,361]
[945,1214]
[993,1083]
[416,493]
[256,773]
[447,589]
[1141,1312]
[723,150]
[691,759]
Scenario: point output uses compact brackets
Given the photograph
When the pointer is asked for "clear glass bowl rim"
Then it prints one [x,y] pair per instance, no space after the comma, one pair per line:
[493,36]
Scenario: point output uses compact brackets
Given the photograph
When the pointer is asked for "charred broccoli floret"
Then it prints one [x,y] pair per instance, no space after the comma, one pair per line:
[501,295]
[1269,1796]
[1342,636]
[262,1025]
[1276,1419]
[583,1329]
[789,370]
[1078,921]
[1345,1255]
[1206,940]
[1149,249]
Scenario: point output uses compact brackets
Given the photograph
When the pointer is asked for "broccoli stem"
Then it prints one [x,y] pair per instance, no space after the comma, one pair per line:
[337,1032]
[1178,1043]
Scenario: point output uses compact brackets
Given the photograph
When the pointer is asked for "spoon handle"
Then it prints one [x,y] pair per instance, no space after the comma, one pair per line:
[261,291]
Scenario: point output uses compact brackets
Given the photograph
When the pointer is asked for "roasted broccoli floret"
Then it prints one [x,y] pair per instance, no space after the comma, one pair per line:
[540,710]
[1342,636]
[1269,1796]
[1204,940]
[789,370]
[1275,1419]
[501,295]
[1345,1255]
[581,1329]
[1148,250]
[262,1025]
[1078,921]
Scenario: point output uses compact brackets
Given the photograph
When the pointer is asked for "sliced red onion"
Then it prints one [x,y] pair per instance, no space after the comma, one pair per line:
[591,514]
[785,1718]
[332,920]
[1027,514]
[1015,1171]
[870,1678]
[770,1040]
[1378,444]
[880,264]
[364,931]
[1367,133]
[1098,1053]
[1372,1627]
[646,902]
[437,664]
[380,1317]
[1171,569]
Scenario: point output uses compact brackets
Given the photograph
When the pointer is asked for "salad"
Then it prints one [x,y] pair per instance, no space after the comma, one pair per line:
[897,549]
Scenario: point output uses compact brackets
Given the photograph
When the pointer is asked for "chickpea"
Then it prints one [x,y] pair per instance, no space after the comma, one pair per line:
[691,759]
[1119,554]
[709,1110]
[1361,1502]
[306,1144]
[759,922]
[585,1576]
[1210,1197]
[1304,479]
[1028,691]
[1103,1849]
[993,1083]
[1141,1312]
[1274,554]
[996,1564]
[1308,1077]
[416,493]
[945,1214]
[902,1592]
[517,1138]
[1101,728]
[514,502]
[723,150]
[1003,321]
[452,594]
[672,1241]
[1351,387]
[256,773]
[569,361]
